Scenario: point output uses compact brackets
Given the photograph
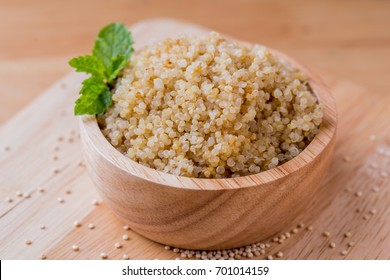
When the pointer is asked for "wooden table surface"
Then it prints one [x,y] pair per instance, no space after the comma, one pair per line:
[348,43]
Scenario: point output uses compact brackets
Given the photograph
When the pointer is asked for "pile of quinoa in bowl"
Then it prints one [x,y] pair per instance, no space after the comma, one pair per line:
[207,107]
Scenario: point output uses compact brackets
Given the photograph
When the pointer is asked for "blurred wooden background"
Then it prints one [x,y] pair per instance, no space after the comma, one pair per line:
[344,39]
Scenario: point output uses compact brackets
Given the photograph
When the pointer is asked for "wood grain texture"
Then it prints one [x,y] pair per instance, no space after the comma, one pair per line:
[32,138]
[211,214]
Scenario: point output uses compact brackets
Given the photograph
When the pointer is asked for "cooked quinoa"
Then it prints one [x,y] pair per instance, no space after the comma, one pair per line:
[210,108]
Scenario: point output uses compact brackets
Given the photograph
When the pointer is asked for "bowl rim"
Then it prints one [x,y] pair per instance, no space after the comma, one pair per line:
[92,135]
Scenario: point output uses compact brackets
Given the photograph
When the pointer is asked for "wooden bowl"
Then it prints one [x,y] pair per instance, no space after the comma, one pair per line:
[197,213]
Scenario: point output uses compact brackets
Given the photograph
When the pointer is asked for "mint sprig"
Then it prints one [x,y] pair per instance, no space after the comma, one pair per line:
[112,50]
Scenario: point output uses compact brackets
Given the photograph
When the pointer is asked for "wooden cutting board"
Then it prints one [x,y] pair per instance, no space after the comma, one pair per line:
[40,148]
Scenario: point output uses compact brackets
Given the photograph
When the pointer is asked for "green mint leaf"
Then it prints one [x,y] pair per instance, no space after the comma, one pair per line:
[113,47]
[112,50]
[93,85]
[117,65]
[88,64]
[94,99]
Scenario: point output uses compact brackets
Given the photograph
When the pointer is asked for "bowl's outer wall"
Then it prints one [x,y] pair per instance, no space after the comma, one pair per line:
[205,219]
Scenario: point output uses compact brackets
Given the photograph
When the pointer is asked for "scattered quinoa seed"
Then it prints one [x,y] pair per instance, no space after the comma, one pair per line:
[279,254]
[167,247]
[269,257]
[60,200]
[326,233]
[309,228]
[373,211]
[358,194]
[28,242]
[77,224]
[351,244]
[43,257]
[347,234]
[365,217]
[332,245]
[75,248]
[344,253]
[41,189]
[42,227]
[19,194]
[68,191]
[91,226]
[9,199]
[125,257]
[373,165]
[347,159]
[372,137]
[375,189]
[125,237]
[301,225]
[118,245]
[103,256]
[56,170]
[126,227]
[95,202]
[294,230]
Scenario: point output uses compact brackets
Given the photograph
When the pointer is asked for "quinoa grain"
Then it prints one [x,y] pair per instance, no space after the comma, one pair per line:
[309,228]
[208,107]
[77,224]
[95,202]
